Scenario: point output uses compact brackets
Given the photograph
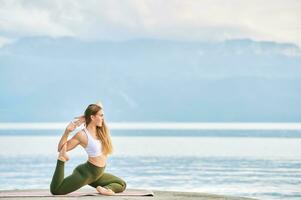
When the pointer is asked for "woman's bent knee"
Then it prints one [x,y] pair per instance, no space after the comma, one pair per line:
[123,183]
[53,192]
[56,192]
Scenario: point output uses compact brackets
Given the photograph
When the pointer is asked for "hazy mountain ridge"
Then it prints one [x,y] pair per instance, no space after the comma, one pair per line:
[46,79]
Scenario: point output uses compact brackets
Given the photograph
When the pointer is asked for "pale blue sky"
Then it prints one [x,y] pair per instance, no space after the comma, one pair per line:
[203,20]
[238,77]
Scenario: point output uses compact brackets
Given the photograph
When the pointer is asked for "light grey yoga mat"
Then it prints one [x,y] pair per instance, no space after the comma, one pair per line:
[44,193]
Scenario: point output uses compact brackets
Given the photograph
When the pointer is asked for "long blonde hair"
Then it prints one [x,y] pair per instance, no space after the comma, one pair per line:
[102,132]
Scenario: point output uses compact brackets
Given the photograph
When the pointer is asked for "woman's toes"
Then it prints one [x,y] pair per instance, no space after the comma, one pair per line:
[104,191]
[110,192]
[63,155]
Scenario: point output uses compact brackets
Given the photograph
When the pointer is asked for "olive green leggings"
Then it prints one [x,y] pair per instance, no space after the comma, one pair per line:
[84,174]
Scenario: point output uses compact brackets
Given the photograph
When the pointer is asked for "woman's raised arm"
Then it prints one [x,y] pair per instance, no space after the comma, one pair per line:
[70,128]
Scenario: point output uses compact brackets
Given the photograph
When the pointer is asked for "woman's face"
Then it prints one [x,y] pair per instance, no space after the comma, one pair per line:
[98,118]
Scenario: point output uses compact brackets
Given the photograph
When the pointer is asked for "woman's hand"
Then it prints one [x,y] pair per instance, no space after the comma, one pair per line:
[75,123]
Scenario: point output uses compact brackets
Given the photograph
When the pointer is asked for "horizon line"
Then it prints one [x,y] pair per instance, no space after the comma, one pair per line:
[160,125]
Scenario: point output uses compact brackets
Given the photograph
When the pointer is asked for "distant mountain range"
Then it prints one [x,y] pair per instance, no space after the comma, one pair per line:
[47,79]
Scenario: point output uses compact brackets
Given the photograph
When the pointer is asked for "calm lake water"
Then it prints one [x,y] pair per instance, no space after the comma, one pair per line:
[259,164]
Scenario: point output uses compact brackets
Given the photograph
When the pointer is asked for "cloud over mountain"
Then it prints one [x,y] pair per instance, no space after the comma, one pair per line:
[189,20]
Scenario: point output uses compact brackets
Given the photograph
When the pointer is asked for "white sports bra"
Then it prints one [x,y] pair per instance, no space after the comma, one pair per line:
[93,148]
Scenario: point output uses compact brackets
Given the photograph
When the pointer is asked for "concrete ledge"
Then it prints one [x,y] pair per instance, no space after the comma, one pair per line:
[163,195]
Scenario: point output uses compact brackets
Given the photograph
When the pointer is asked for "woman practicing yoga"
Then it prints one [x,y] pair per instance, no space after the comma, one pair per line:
[95,139]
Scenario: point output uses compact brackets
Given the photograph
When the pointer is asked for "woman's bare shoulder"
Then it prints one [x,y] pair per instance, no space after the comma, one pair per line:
[80,135]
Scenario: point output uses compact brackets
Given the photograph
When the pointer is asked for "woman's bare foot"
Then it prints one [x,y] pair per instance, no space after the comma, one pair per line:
[63,155]
[104,191]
